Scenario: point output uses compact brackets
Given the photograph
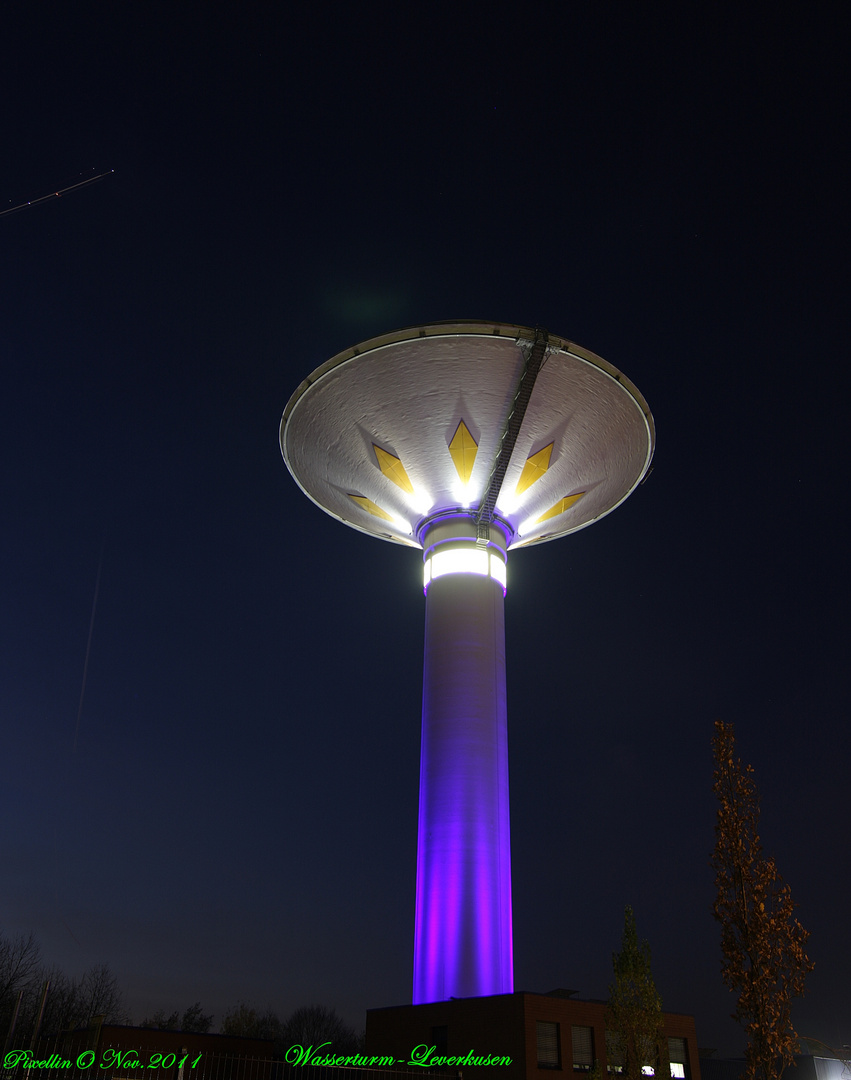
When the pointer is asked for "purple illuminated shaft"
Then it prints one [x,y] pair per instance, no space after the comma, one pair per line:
[463,941]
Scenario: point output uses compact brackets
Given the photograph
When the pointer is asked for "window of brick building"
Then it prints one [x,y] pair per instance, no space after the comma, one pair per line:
[583,1047]
[678,1054]
[549,1055]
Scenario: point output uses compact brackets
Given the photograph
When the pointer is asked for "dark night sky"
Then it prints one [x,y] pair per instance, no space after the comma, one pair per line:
[665,184]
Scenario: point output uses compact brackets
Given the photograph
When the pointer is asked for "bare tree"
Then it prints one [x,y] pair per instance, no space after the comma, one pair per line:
[312,1025]
[20,969]
[101,996]
[193,1019]
[63,1007]
[163,1021]
[73,1003]
[20,964]
[762,943]
[69,1002]
[245,1021]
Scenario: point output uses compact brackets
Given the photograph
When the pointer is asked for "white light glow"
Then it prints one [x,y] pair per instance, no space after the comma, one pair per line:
[469,560]
[527,526]
[402,524]
[498,569]
[678,1071]
[509,503]
[420,502]
[459,561]
[463,493]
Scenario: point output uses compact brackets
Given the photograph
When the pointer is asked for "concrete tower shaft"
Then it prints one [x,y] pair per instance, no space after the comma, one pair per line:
[463,937]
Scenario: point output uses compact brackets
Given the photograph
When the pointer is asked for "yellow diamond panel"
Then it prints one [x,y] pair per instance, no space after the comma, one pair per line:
[560,506]
[534,469]
[463,449]
[393,469]
[367,504]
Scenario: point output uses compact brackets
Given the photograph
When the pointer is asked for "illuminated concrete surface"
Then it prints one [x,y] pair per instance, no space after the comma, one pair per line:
[406,394]
[416,437]
[463,942]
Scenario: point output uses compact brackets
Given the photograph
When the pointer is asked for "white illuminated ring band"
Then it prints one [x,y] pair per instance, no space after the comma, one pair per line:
[464,560]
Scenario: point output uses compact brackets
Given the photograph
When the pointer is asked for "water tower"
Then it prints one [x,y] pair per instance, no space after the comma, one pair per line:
[466,440]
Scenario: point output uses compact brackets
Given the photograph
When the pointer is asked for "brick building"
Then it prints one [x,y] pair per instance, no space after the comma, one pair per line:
[541,1034]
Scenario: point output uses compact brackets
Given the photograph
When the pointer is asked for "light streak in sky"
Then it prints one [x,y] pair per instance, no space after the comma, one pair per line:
[56,194]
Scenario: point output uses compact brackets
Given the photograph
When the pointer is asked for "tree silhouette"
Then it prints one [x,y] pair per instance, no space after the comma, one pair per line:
[20,965]
[762,943]
[193,1019]
[74,1003]
[69,1003]
[244,1020]
[20,969]
[635,1008]
[101,995]
[312,1025]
